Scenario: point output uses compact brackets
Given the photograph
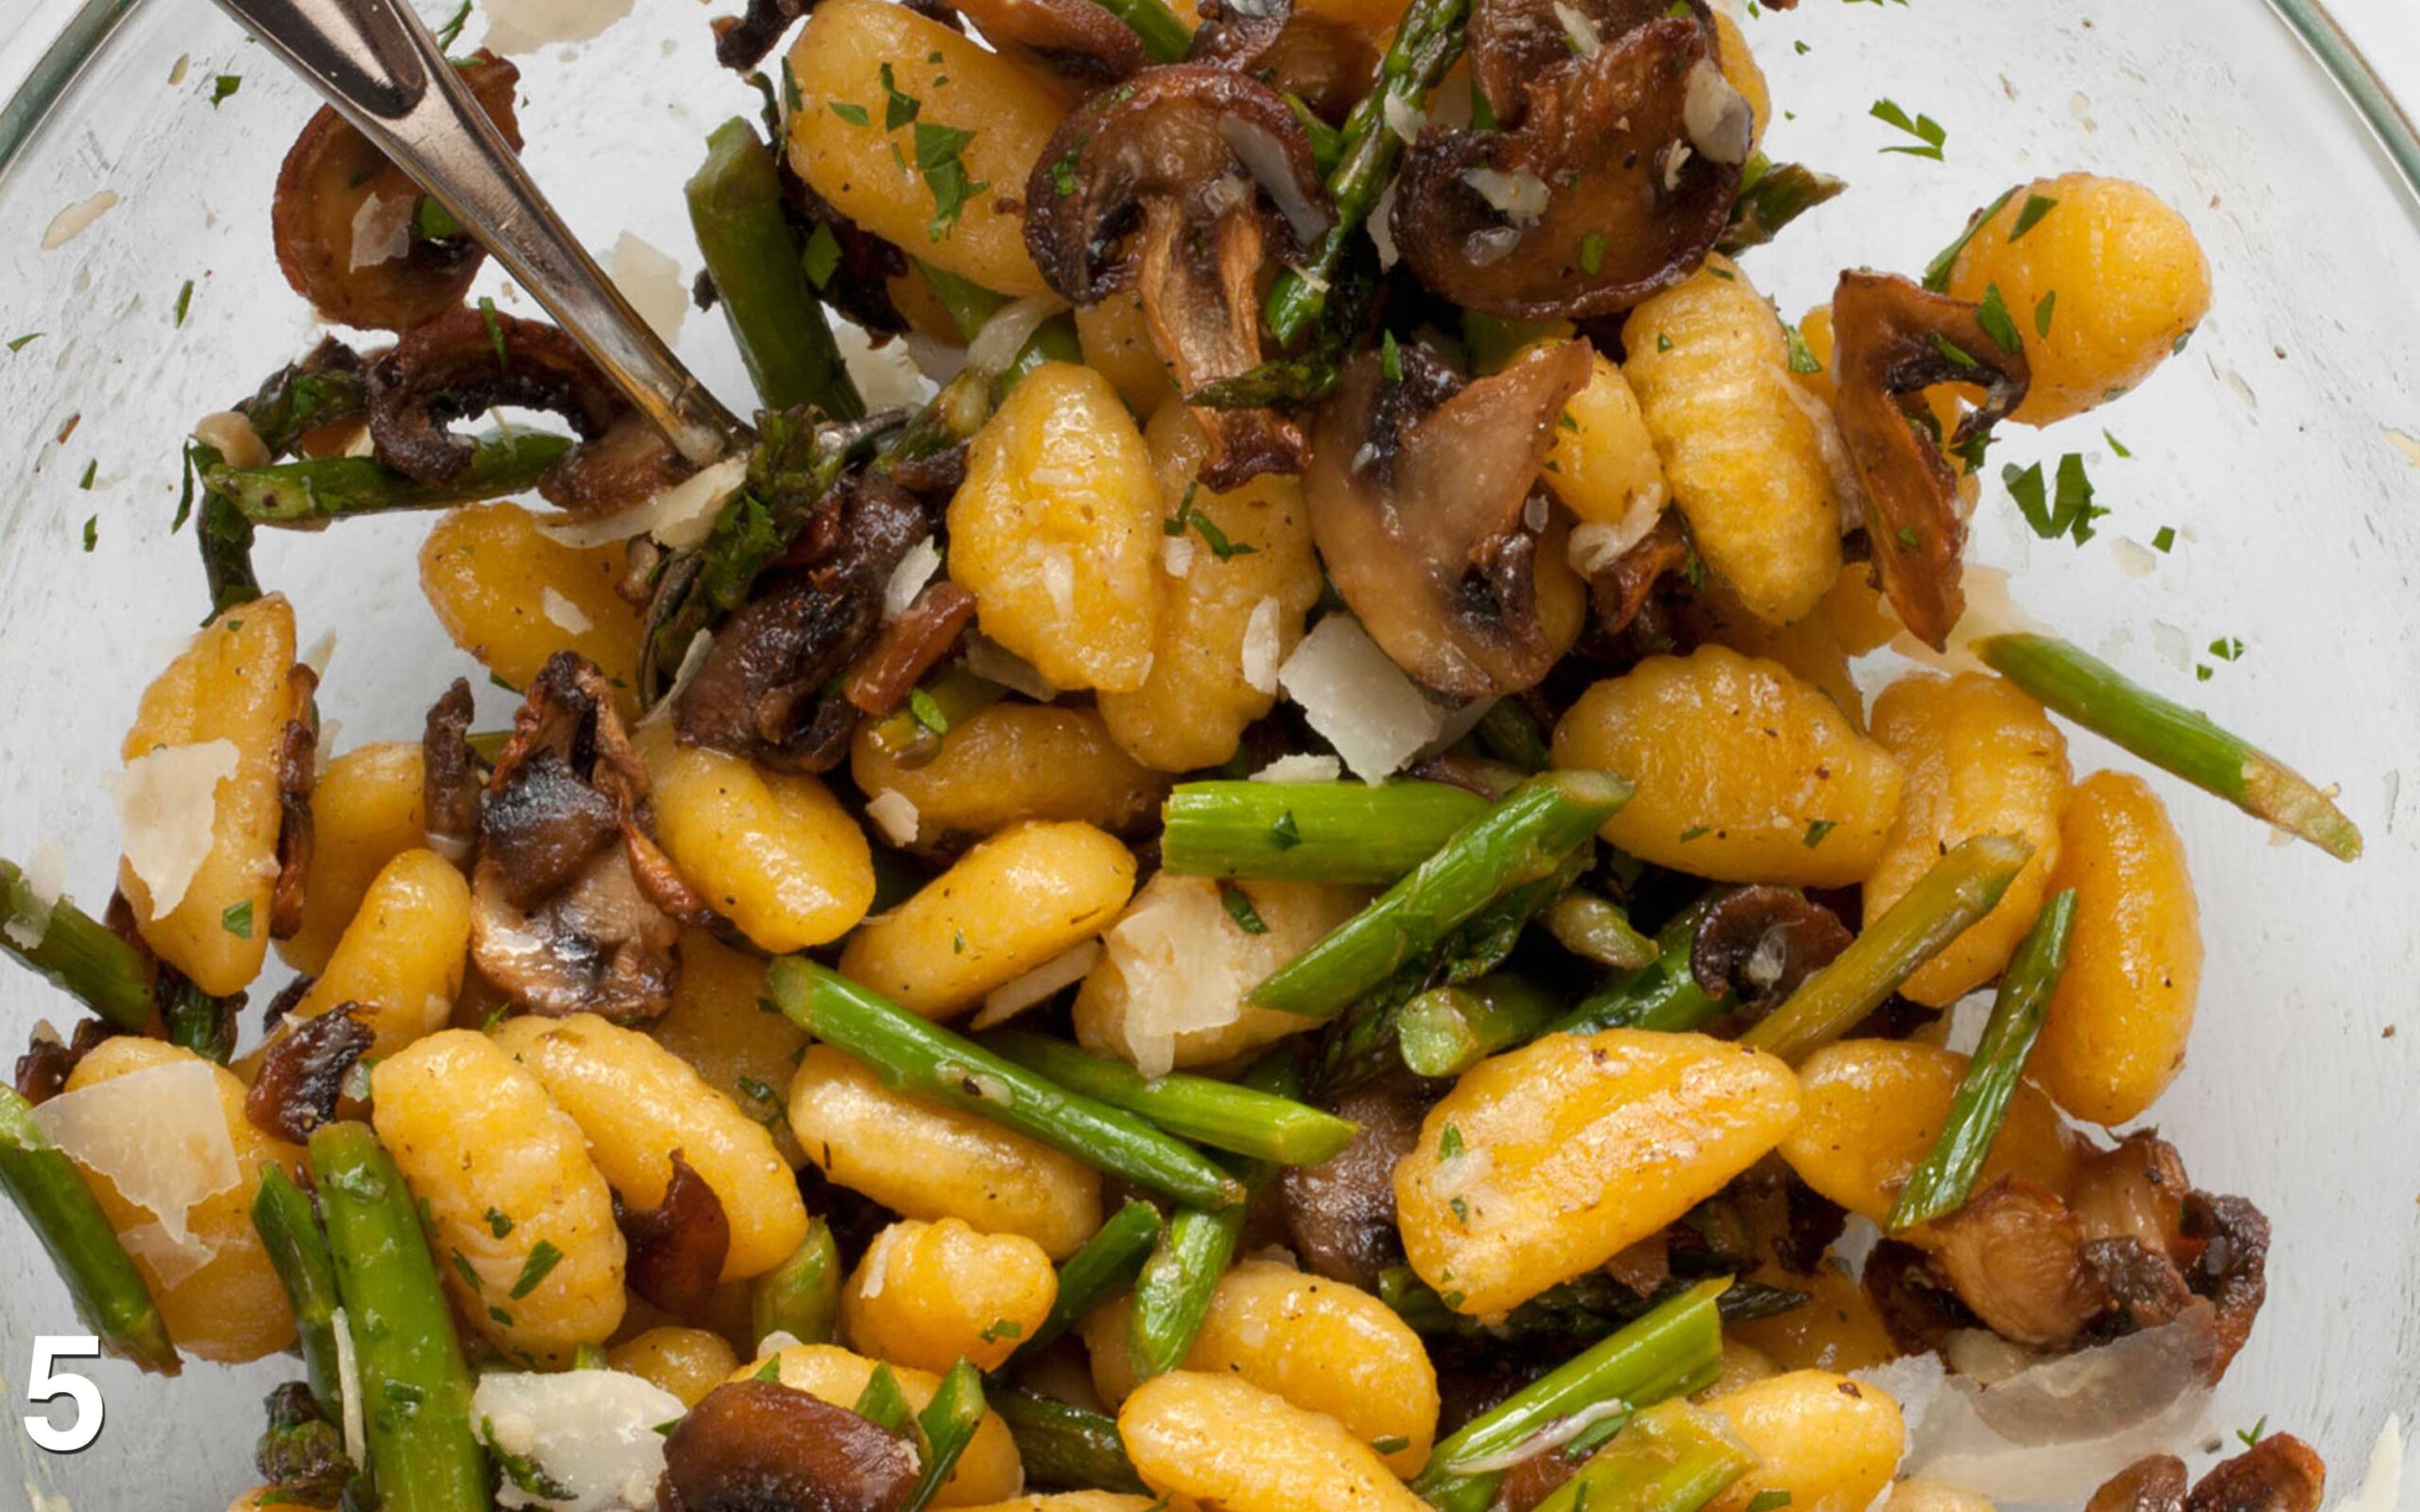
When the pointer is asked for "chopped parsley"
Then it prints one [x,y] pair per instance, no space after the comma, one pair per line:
[1929,134]
[1283,834]
[1002,1329]
[1937,272]
[936,159]
[238,919]
[92,467]
[770,1369]
[1461,1211]
[1817,829]
[793,99]
[1391,1444]
[1062,174]
[2253,1434]
[1692,833]
[1239,906]
[854,114]
[897,109]
[1390,357]
[1592,252]
[499,1224]
[91,533]
[223,88]
[452,27]
[2065,509]
[1663,342]
[2165,541]
[822,257]
[1187,513]
[2114,444]
[543,1257]
[758,1091]
[1723,273]
[1992,316]
[1953,350]
[1768,1501]
[2182,337]
[2031,214]
[470,1274]
[1802,48]
[19,343]
[2227,648]
[1801,356]
[928,712]
[2042,314]
[1449,1143]
[184,303]
[495,332]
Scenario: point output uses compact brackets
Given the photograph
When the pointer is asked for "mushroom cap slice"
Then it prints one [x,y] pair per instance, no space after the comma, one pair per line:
[1513,44]
[1596,200]
[1420,508]
[1182,183]
[342,219]
[1060,30]
[1894,339]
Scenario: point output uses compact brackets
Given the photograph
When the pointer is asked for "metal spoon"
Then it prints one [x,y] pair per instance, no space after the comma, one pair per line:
[377,64]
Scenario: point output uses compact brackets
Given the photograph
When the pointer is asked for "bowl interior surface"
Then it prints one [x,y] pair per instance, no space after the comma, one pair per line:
[2280,446]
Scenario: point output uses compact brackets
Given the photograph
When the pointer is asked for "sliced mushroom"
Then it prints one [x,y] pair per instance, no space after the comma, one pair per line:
[2134,1191]
[1342,1211]
[1421,510]
[1078,35]
[2015,1255]
[2280,1473]
[741,42]
[629,461]
[1757,944]
[1513,44]
[1183,182]
[344,219]
[450,775]
[761,689]
[298,768]
[678,1246]
[910,646]
[1598,198]
[303,1073]
[2144,1287]
[43,1071]
[313,406]
[1324,63]
[1915,1305]
[758,1446]
[2155,1483]
[2233,1268]
[1895,341]
[1618,589]
[599,946]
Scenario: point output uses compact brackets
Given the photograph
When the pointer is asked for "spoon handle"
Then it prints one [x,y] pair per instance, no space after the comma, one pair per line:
[377,64]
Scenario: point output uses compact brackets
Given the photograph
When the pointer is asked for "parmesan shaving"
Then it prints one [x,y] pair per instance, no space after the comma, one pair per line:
[1185,966]
[1301,769]
[1382,226]
[1360,702]
[1594,545]
[1717,117]
[349,1381]
[592,1433]
[995,346]
[1176,555]
[894,814]
[158,1134]
[563,613]
[679,516]
[887,375]
[1579,31]
[1520,198]
[166,1258]
[44,875]
[168,802]
[382,230]
[1265,158]
[232,437]
[1404,118]
[1059,580]
[2382,1481]
[72,221]
[873,1270]
[1259,649]
[526,26]
[652,281]
[994,663]
[1019,993]
[916,568]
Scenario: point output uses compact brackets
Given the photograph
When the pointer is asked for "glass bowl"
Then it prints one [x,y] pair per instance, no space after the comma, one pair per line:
[2279,447]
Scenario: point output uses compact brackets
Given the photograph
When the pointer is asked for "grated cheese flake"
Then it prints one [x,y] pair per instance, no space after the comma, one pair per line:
[1360,702]
[916,568]
[382,230]
[679,516]
[1259,648]
[652,281]
[592,1433]
[563,613]
[44,875]
[158,1134]
[168,802]
[894,814]
[1301,768]
[1019,993]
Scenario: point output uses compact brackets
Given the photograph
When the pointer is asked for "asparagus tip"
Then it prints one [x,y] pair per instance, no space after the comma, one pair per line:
[2286,798]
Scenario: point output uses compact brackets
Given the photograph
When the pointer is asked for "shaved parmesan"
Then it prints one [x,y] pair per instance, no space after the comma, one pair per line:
[994,663]
[167,1258]
[1059,580]
[72,222]
[1175,948]
[995,346]
[591,1433]
[46,872]
[1176,555]
[1259,648]
[907,580]
[652,281]
[1266,158]
[894,814]
[563,613]
[382,230]
[679,516]
[321,652]
[1519,197]
[1403,117]
[1380,224]
[348,1376]
[1595,545]
[887,375]
[1717,117]
[1579,31]
[158,1134]
[1301,769]
[526,26]
[874,1269]
[167,801]
[2382,1481]
[1360,702]
[1019,993]
[232,438]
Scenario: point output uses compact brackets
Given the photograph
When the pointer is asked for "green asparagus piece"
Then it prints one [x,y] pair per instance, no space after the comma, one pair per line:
[882,1403]
[1942,1180]
[1427,42]
[416,1391]
[2171,736]
[1172,1294]
[1066,1446]
[1507,732]
[926,1061]
[221,532]
[1166,39]
[947,1425]
[1595,929]
[587,1356]
[1200,1108]
[197,1020]
[76,952]
[1671,1351]
[1310,371]
[1446,1030]
[1959,889]
[1310,831]
[109,1293]
[1109,1263]
[907,735]
[1328,143]
[1663,994]
[735,208]
[311,492]
[1519,840]
[298,1252]
[1670,1458]
[1772,195]
[801,1297]
[299,399]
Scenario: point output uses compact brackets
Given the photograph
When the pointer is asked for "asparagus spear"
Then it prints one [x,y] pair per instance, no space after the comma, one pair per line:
[735,208]
[311,492]
[1172,1294]
[1427,42]
[298,399]
[1595,929]
[1312,369]
[1166,39]
[1945,1176]
[416,1391]
[1109,1260]
[1518,841]
[1671,1351]
[928,1062]
[109,1293]
[224,535]
[881,1403]
[75,952]
[801,1297]
[1310,831]
[1773,195]
[947,1425]
[1064,1445]
[1200,1108]
[1446,1030]
[197,1020]
[298,1252]
[2171,736]
[1582,1310]
[1663,994]
[1960,888]
[1672,1457]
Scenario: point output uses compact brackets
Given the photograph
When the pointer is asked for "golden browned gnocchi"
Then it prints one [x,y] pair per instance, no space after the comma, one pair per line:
[1012,761]
[688,1363]
[1225,1442]
[1117,343]
[930,1295]
[401,960]
[717,1024]
[1832,1443]
[364,811]
[989,1469]
[1603,464]
[513,597]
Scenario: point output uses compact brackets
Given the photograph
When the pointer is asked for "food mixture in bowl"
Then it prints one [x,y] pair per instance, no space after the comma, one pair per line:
[1286,896]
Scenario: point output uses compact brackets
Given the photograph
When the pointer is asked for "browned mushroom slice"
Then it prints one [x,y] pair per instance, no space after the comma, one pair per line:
[2134,1191]
[1757,944]
[2015,1255]
[678,1246]
[1341,1212]
[2280,1473]
[1075,33]
[756,1446]
[760,691]
[344,219]
[1421,512]
[741,42]
[598,946]
[298,766]
[2155,1483]
[628,462]
[2233,1269]
[1895,339]
[1599,197]
[43,1071]
[912,645]
[451,778]
[1322,62]
[1184,181]
[1618,591]
[303,1073]
[1513,44]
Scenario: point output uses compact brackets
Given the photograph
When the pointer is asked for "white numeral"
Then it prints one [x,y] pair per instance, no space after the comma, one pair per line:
[49,1385]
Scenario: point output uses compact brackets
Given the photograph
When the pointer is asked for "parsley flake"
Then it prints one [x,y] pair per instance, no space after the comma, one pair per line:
[236,920]
[1801,356]
[1992,316]
[928,712]
[1816,830]
[1693,831]
[92,467]
[1238,905]
[1188,514]
[854,114]
[2227,648]
[19,343]
[1390,357]
[936,159]
[223,88]
[1449,1143]
[2114,444]
[2042,314]
[1592,252]
[184,303]
[2164,539]
[1771,1501]
[1283,834]
[2051,511]
[2029,216]
[543,1257]
[499,1224]
[1930,134]
[897,109]
[91,533]
[495,332]
[822,256]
